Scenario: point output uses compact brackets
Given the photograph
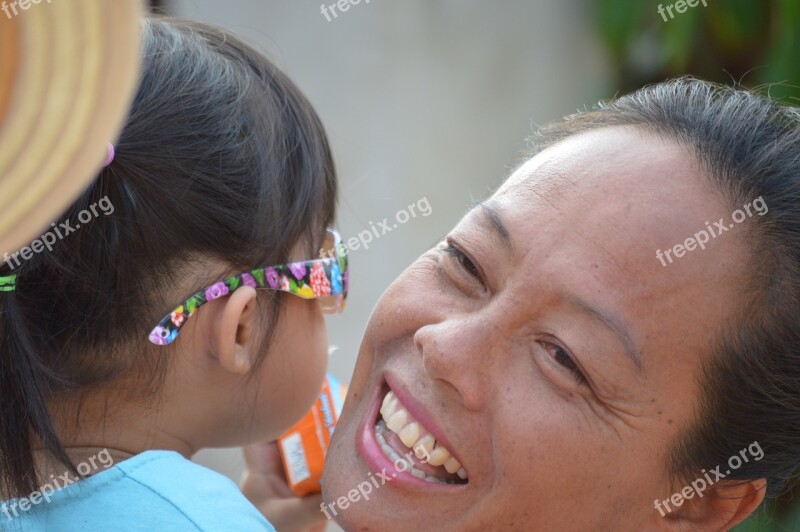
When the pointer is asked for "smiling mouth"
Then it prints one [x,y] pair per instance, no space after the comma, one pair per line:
[401,437]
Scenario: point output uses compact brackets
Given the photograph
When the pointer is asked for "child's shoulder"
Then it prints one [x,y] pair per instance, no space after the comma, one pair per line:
[146,492]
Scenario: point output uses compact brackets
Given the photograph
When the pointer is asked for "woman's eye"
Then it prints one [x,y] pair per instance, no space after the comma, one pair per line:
[564,359]
[463,261]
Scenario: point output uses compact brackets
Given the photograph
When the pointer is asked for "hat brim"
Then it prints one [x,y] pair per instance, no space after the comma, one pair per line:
[68,73]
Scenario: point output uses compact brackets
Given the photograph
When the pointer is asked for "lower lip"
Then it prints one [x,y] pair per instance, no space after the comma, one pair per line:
[372,454]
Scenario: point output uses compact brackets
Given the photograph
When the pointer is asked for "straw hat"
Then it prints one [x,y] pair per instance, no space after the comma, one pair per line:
[68,72]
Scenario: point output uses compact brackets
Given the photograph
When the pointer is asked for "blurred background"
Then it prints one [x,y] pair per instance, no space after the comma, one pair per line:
[430,102]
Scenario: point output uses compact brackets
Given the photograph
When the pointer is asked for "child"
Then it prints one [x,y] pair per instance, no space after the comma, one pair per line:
[132,333]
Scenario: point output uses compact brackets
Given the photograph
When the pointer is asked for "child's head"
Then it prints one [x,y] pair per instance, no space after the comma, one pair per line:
[222,167]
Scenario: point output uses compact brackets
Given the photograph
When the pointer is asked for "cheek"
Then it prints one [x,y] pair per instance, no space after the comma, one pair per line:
[562,460]
[294,368]
[413,300]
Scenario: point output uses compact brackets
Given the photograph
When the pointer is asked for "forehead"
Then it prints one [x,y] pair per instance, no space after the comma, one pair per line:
[613,168]
[616,192]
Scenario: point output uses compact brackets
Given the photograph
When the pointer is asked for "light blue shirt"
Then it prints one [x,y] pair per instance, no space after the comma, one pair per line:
[152,491]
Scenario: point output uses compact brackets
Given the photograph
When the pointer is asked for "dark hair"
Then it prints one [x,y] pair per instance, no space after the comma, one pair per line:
[222,159]
[750,383]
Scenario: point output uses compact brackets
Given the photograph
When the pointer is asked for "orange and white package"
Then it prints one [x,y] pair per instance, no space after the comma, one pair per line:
[304,446]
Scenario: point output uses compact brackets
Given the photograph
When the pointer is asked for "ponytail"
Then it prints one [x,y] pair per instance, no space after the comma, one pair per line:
[24,416]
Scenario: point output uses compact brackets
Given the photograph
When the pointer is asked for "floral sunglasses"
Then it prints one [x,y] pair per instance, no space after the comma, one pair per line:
[325,279]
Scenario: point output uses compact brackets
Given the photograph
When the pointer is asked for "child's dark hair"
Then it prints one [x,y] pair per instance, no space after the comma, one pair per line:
[222,159]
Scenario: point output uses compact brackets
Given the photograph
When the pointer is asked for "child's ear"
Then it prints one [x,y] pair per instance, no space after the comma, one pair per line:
[721,507]
[235,331]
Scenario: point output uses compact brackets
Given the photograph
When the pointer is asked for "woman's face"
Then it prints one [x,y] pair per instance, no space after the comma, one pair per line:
[546,346]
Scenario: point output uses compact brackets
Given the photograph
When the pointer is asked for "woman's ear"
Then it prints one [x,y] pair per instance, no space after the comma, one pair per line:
[235,331]
[720,507]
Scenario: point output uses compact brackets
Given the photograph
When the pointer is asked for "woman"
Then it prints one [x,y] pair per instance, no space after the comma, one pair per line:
[607,343]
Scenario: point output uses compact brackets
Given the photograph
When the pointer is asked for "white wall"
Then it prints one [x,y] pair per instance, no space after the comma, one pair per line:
[421,98]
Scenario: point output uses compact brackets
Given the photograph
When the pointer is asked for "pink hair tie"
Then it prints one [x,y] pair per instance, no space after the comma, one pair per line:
[110,156]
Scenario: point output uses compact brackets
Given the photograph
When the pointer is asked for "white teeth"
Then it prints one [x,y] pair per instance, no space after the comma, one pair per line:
[439,456]
[388,451]
[414,436]
[424,446]
[385,403]
[389,405]
[452,465]
[410,434]
[398,421]
[395,457]
[417,473]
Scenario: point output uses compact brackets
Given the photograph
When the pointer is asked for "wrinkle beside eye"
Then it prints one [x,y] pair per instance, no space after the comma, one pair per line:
[622,411]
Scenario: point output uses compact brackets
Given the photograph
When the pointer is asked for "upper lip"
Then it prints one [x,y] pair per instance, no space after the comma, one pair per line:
[420,413]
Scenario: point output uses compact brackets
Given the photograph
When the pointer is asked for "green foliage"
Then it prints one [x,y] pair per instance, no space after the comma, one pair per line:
[752,42]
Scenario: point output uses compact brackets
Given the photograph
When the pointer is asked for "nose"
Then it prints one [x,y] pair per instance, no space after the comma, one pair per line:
[457,352]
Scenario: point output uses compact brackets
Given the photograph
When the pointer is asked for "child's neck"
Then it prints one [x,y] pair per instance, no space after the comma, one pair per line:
[99,420]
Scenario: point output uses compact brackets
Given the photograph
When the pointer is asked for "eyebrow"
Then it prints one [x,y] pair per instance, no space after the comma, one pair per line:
[609,320]
[496,222]
[615,324]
